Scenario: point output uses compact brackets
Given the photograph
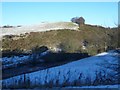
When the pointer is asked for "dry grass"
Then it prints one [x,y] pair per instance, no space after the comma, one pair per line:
[97,38]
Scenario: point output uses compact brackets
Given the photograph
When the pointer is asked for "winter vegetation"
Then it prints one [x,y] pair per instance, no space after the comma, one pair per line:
[60,55]
[60,46]
[89,39]
[101,69]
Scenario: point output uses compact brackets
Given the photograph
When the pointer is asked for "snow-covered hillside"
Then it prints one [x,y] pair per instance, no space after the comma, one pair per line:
[38,28]
[95,70]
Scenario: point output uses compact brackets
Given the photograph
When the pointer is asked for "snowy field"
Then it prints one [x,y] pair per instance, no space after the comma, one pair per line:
[96,70]
[38,28]
[13,61]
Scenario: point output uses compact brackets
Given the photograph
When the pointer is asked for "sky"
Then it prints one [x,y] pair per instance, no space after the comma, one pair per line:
[28,13]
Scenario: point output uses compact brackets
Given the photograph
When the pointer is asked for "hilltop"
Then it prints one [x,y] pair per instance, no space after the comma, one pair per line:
[44,26]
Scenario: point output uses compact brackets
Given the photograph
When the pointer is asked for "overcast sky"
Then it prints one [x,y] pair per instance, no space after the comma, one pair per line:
[27,13]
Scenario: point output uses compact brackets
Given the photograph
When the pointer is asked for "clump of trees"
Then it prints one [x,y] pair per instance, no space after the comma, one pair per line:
[36,53]
[7,26]
[78,20]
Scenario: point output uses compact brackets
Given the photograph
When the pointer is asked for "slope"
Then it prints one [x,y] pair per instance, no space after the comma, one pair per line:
[101,69]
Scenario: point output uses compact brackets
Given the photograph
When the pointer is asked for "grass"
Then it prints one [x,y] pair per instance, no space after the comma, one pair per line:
[24,82]
[71,40]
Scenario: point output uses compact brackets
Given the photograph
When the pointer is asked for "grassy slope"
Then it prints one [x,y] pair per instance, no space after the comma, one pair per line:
[70,40]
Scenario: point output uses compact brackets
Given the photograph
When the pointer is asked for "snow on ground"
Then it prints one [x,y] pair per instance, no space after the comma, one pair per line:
[38,28]
[99,86]
[82,72]
[15,60]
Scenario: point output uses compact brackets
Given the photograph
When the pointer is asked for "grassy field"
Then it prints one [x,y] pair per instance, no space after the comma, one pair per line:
[98,40]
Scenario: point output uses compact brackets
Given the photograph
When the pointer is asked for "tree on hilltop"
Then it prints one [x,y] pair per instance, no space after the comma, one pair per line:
[78,20]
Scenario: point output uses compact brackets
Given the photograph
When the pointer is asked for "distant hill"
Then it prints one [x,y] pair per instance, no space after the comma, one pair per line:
[37,28]
[62,35]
